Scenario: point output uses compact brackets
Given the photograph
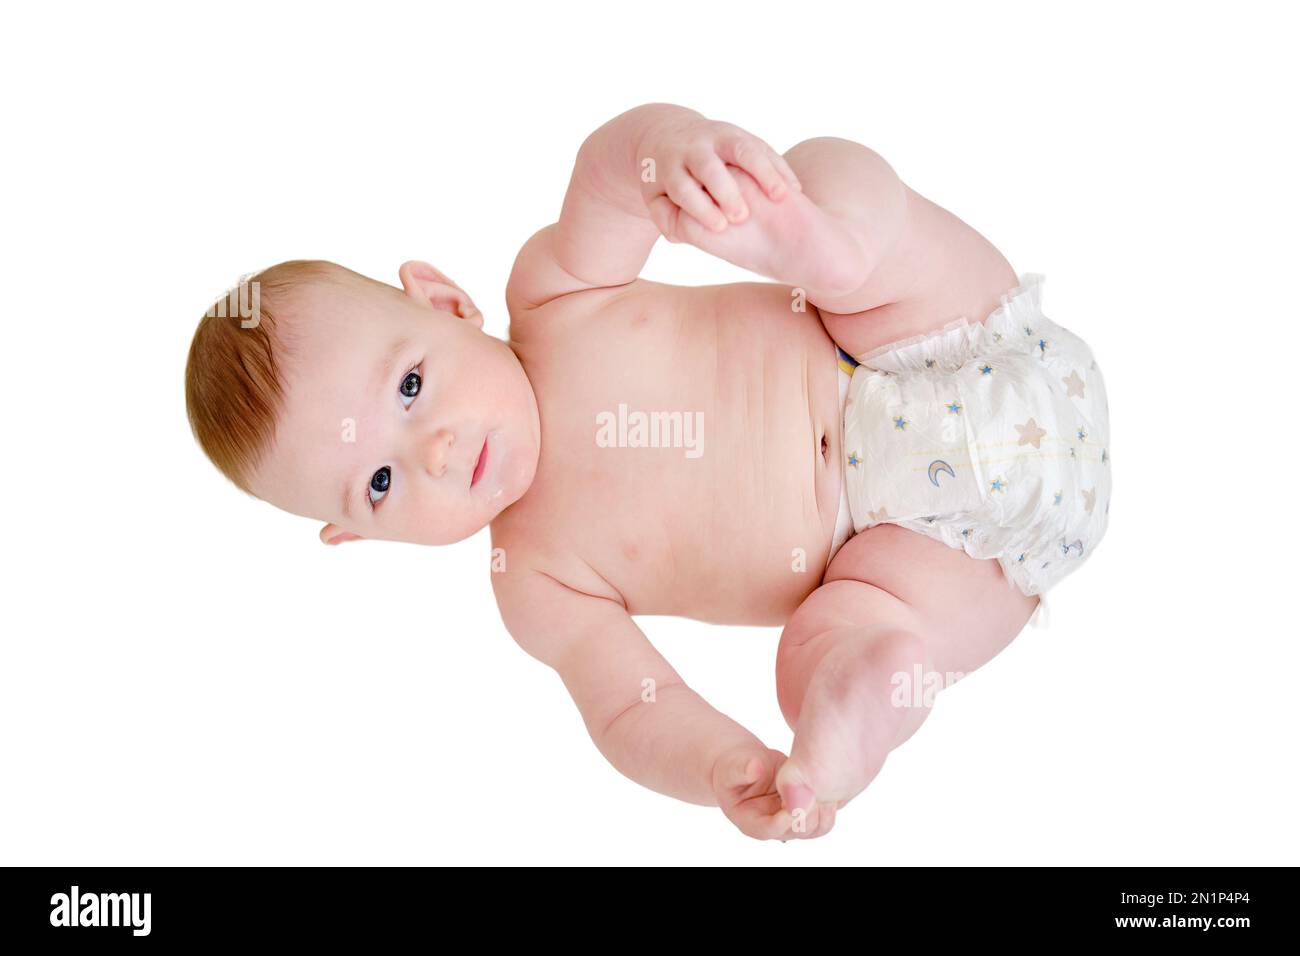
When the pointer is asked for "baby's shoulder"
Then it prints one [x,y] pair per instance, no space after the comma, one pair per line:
[583,312]
[525,551]
[544,595]
[540,286]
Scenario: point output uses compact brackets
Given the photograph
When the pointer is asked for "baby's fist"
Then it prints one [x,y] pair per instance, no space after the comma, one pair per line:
[744,784]
[689,173]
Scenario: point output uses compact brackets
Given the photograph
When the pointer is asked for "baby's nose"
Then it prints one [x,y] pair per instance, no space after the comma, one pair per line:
[436,454]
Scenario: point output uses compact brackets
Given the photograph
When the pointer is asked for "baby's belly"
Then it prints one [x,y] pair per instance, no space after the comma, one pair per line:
[741,534]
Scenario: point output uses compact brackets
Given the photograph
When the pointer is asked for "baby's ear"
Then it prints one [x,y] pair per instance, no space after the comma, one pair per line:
[333,534]
[424,283]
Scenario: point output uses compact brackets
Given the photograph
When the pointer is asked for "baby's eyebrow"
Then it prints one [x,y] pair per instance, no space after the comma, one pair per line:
[388,365]
[347,502]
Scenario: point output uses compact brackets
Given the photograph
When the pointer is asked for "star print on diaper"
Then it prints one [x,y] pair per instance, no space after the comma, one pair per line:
[954,408]
[1073,385]
[1030,433]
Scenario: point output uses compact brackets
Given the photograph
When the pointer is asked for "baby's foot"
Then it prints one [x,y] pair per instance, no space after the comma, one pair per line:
[792,241]
[848,722]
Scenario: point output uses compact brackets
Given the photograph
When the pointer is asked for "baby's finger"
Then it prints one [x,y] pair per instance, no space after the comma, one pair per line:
[755,157]
[786,171]
[757,822]
[712,172]
[664,214]
[696,203]
[739,770]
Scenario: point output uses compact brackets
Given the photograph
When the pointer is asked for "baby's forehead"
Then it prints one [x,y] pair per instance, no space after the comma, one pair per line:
[315,441]
[335,374]
[327,338]
[331,328]
[336,337]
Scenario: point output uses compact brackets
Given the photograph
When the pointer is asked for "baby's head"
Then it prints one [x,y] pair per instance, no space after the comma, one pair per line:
[387,413]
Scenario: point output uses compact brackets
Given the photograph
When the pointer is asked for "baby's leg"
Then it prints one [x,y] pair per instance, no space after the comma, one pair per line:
[878,260]
[897,617]
[923,266]
[827,239]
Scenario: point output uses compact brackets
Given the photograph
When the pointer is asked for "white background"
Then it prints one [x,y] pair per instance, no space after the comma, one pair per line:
[188,677]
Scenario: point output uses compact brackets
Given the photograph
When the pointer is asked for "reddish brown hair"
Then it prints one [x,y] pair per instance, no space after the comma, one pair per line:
[234,385]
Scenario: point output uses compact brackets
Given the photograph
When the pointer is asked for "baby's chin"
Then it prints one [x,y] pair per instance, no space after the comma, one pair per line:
[486,505]
[437,539]
[508,464]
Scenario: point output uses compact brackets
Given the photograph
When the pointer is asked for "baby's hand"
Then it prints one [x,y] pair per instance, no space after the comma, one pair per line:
[683,167]
[744,783]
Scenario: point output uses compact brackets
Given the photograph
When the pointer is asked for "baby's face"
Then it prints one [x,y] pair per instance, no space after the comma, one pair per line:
[400,422]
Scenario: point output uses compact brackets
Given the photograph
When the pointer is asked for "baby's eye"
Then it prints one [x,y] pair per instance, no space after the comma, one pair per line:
[410,388]
[379,483]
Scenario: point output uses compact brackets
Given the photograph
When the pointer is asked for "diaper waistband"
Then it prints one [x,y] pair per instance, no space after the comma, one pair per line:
[844,519]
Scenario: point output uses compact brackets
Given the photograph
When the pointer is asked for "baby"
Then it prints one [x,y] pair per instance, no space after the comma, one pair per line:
[891,453]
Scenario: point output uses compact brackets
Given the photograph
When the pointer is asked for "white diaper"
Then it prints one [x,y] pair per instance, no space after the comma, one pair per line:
[844,520]
[991,437]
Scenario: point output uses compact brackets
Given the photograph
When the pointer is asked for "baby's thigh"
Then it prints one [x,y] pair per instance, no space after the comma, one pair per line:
[937,296]
[965,607]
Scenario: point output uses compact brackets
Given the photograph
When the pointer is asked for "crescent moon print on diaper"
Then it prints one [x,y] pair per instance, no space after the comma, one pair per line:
[938,467]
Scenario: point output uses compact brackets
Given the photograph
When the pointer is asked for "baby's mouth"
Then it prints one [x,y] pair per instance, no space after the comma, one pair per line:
[480,464]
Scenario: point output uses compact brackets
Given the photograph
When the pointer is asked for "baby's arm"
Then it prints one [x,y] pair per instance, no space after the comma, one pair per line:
[637,709]
[640,163]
